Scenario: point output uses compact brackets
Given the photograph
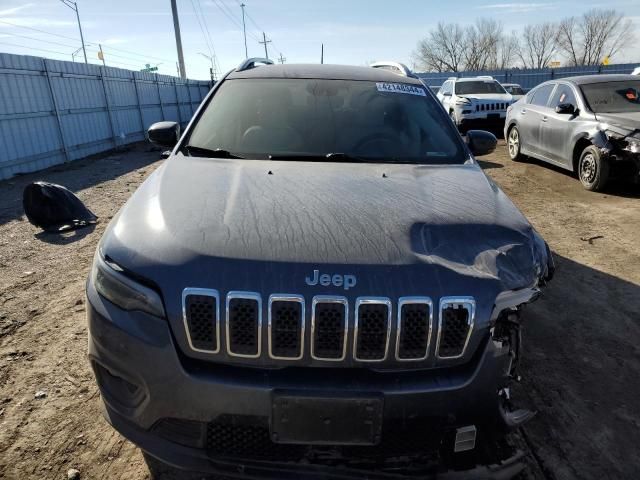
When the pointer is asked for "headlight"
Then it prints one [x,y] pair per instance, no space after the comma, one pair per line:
[463,101]
[122,291]
[633,145]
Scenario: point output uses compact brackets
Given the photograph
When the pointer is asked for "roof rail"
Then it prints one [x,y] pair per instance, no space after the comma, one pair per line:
[452,78]
[486,77]
[396,67]
[250,63]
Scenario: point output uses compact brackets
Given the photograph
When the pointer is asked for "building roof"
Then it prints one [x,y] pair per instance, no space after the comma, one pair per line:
[333,72]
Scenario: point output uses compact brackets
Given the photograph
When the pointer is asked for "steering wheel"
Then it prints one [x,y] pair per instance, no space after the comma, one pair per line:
[382,137]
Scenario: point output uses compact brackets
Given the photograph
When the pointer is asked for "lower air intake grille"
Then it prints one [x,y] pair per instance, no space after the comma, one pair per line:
[286,328]
[372,330]
[243,326]
[414,323]
[456,322]
[329,327]
[246,437]
[201,320]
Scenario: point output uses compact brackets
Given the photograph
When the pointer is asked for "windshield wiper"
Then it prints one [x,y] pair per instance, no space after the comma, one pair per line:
[206,152]
[329,157]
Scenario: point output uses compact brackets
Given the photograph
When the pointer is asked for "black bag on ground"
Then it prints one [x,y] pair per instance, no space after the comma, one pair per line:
[54,208]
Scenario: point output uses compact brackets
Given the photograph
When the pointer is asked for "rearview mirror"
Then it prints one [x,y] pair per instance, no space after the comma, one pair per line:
[165,134]
[566,108]
[481,142]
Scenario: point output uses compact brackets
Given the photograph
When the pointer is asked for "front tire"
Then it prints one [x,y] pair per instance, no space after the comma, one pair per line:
[593,170]
[513,145]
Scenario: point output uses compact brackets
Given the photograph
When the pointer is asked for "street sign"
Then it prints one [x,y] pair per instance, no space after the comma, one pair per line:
[606,60]
[149,68]
[555,64]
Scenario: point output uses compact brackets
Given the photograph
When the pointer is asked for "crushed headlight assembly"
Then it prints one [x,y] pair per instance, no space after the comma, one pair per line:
[115,286]
[463,101]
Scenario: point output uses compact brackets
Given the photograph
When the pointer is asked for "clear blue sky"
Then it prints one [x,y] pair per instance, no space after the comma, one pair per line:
[353,31]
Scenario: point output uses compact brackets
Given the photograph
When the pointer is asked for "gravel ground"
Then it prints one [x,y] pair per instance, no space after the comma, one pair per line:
[580,370]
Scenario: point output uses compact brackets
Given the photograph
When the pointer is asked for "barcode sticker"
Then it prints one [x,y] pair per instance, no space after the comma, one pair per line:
[400,88]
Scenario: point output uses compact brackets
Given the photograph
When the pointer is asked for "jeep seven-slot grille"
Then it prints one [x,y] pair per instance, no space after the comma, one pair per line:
[243,326]
[455,327]
[414,328]
[201,320]
[286,328]
[329,329]
[329,321]
[371,338]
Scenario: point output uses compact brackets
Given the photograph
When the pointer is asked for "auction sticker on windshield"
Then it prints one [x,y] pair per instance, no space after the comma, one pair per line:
[400,88]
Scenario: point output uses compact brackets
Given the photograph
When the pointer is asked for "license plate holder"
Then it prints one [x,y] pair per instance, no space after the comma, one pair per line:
[326,420]
[493,116]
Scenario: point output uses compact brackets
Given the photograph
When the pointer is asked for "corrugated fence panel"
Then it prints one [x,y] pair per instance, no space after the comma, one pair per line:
[53,111]
[529,78]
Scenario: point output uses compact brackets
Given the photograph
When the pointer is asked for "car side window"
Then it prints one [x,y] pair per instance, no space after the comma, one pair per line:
[563,94]
[541,95]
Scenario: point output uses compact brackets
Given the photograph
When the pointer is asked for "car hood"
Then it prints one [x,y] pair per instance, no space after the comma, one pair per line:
[627,120]
[265,226]
[503,97]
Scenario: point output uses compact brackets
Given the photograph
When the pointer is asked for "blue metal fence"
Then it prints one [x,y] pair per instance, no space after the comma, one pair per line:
[529,78]
[53,112]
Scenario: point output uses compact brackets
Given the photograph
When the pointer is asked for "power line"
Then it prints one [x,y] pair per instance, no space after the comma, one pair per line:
[89,43]
[37,30]
[41,40]
[212,49]
[231,18]
[33,48]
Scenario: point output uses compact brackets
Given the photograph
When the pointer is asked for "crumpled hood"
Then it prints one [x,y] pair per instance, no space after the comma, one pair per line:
[628,120]
[266,225]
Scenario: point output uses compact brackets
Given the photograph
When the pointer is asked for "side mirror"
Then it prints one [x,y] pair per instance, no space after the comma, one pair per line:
[481,142]
[566,109]
[164,134]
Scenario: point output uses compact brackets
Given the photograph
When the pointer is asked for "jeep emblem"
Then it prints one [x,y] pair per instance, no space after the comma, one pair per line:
[337,280]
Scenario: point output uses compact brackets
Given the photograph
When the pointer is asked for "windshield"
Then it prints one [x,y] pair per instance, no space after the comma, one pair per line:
[613,97]
[384,122]
[478,87]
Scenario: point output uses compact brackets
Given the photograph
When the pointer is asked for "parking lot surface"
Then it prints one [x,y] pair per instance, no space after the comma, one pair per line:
[581,353]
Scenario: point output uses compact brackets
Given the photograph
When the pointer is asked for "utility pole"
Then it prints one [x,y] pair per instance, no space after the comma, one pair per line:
[322,54]
[264,42]
[102,56]
[176,27]
[282,59]
[74,6]
[244,30]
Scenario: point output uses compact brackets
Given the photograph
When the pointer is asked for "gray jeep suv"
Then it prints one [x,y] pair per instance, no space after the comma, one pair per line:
[319,280]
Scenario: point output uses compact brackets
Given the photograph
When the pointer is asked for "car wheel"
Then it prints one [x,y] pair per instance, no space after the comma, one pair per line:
[593,170]
[513,144]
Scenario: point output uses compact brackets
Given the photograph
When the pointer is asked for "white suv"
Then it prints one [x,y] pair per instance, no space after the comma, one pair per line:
[474,100]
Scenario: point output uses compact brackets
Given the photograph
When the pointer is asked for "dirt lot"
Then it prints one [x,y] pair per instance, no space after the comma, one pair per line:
[582,355]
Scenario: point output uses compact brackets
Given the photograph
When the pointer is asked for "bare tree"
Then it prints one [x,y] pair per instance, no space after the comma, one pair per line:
[507,51]
[538,45]
[482,42]
[597,34]
[442,50]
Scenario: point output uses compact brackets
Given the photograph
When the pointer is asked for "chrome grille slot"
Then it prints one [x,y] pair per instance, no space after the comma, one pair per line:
[415,323]
[329,328]
[286,327]
[455,325]
[200,313]
[372,329]
[244,324]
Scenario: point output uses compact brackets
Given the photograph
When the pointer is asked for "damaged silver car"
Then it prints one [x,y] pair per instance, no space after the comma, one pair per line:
[589,125]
